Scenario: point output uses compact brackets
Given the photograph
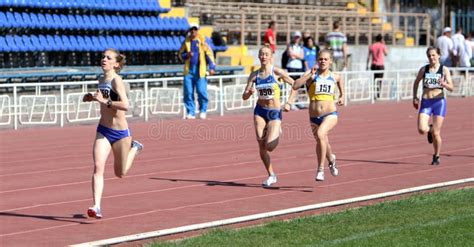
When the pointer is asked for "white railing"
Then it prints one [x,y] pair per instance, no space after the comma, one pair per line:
[60,103]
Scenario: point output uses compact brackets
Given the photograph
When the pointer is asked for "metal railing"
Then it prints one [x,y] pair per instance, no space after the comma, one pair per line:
[60,103]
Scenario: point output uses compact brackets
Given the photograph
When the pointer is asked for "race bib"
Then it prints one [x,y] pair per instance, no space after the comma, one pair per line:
[266,93]
[324,86]
[432,80]
[105,90]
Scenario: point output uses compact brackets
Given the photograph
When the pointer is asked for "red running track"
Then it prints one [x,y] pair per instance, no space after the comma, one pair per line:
[205,170]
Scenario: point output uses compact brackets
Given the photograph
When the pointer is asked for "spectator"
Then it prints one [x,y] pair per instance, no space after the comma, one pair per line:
[295,55]
[458,46]
[377,51]
[270,36]
[197,55]
[470,46]
[462,49]
[445,45]
[337,42]
[310,53]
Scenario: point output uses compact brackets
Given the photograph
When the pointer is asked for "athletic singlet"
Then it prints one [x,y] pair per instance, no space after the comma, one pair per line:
[106,88]
[322,88]
[268,87]
[432,80]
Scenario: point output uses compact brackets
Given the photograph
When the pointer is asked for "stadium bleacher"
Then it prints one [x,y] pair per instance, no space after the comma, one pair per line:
[74,33]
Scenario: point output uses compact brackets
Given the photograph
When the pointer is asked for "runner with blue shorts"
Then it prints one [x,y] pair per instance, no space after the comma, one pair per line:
[267,112]
[321,86]
[112,132]
[436,78]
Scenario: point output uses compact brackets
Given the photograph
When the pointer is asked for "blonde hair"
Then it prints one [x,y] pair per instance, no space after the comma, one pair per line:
[265,46]
[120,59]
[328,51]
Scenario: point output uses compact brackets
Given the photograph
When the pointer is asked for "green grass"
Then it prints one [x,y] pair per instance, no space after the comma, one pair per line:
[437,219]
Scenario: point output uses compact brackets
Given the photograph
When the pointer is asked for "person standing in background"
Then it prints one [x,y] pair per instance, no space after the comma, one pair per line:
[377,51]
[446,46]
[295,55]
[270,36]
[197,55]
[310,53]
[337,42]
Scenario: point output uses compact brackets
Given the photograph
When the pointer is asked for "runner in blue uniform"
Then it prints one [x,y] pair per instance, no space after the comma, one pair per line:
[267,112]
[112,132]
[436,78]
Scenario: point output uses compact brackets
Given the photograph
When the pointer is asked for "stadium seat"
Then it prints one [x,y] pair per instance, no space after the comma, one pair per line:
[3,45]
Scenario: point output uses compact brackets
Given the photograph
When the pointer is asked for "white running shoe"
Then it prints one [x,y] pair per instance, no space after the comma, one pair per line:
[319,176]
[94,212]
[138,145]
[332,166]
[189,116]
[202,115]
[270,180]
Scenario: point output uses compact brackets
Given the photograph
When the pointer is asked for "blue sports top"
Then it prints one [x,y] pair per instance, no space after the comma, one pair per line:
[267,87]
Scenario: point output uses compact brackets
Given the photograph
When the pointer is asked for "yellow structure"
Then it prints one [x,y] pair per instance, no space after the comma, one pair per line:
[409,41]
[165,3]
[237,55]
[387,26]
[175,12]
[206,30]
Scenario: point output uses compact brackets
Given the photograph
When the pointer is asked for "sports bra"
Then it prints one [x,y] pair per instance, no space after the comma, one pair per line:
[106,88]
[322,88]
[432,80]
[268,87]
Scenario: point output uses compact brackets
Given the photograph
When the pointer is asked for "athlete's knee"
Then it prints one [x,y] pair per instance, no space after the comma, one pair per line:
[423,130]
[99,168]
[272,145]
[321,135]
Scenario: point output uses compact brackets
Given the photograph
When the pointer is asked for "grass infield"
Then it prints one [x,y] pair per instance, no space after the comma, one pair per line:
[443,218]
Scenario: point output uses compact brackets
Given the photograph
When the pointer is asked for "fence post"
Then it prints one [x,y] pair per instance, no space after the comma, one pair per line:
[398,85]
[221,97]
[62,105]
[146,100]
[345,88]
[15,108]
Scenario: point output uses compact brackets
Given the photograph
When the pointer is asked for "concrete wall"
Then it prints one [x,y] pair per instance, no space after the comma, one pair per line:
[399,57]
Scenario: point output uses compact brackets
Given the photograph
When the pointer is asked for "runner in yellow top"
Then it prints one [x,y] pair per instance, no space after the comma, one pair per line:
[321,84]
[267,112]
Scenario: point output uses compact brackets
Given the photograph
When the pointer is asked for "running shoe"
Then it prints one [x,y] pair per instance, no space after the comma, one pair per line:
[430,135]
[94,212]
[202,115]
[320,175]
[332,166]
[270,180]
[189,116]
[137,144]
[436,160]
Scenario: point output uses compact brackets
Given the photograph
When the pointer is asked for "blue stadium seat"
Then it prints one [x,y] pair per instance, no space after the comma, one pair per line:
[42,20]
[35,42]
[81,44]
[3,20]
[44,43]
[74,43]
[19,20]
[66,43]
[27,44]
[35,23]
[3,45]
[49,21]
